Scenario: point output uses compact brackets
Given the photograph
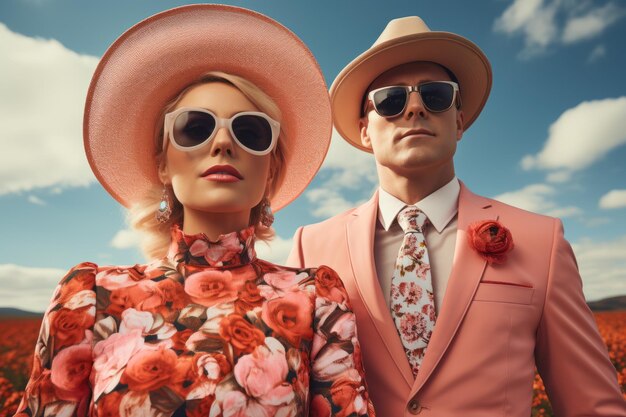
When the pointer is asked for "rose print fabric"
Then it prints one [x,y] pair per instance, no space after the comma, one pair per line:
[412,297]
[209,330]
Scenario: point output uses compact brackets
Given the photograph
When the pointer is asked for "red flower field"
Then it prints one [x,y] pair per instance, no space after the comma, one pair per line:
[19,336]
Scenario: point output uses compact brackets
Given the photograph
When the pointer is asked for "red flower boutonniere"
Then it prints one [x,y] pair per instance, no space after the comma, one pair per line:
[491,240]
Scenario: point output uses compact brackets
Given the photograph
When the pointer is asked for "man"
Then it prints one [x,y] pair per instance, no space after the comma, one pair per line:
[456,296]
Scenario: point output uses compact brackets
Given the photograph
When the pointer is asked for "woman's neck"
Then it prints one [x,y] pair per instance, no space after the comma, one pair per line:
[214,224]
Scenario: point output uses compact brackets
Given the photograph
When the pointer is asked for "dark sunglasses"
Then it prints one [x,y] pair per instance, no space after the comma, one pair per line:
[191,128]
[437,97]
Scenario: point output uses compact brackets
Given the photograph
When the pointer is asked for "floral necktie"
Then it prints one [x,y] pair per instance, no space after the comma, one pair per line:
[412,298]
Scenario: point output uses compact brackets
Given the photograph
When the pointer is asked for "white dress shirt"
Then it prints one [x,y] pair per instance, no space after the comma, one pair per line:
[441,208]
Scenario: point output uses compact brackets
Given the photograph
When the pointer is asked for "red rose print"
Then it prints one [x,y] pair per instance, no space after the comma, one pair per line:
[211,287]
[68,326]
[346,394]
[180,338]
[212,365]
[149,369]
[43,388]
[81,279]
[143,296]
[328,285]
[173,293]
[70,371]
[249,298]
[242,335]
[199,408]
[109,405]
[491,240]
[290,316]
[216,253]
[185,376]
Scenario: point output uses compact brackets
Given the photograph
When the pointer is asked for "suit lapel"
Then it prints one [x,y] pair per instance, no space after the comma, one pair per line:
[360,231]
[467,270]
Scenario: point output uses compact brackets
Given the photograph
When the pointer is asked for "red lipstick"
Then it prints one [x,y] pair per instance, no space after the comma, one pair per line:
[222,173]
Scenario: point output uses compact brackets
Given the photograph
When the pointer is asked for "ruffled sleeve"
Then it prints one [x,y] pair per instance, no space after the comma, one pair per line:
[59,382]
[337,377]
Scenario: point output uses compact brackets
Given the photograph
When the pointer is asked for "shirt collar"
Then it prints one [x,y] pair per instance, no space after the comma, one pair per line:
[228,251]
[440,206]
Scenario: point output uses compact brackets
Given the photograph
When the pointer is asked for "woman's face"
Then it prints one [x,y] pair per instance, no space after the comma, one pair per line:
[220,177]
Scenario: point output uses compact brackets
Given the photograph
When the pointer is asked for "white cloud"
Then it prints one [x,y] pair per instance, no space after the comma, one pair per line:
[555,22]
[596,221]
[518,15]
[36,200]
[43,88]
[348,170]
[275,251]
[592,24]
[28,288]
[327,202]
[559,176]
[534,20]
[563,212]
[126,239]
[598,53]
[350,166]
[538,198]
[569,147]
[602,267]
[613,199]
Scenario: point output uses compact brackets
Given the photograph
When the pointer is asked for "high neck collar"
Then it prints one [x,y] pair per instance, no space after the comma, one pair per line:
[228,251]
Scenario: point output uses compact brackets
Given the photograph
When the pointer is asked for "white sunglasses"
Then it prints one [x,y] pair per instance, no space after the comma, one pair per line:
[191,128]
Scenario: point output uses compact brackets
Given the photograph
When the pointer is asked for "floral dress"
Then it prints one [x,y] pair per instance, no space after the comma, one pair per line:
[209,330]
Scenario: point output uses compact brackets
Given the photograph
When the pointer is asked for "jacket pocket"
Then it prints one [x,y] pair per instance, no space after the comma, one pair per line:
[502,292]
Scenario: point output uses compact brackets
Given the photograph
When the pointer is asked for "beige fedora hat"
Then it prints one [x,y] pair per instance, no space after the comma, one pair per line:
[404,40]
[154,60]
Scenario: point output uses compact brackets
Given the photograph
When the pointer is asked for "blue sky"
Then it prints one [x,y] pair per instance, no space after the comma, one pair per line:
[550,139]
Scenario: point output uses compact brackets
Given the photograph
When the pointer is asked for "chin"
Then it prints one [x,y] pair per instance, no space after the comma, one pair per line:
[413,160]
[217,204]
[228,205]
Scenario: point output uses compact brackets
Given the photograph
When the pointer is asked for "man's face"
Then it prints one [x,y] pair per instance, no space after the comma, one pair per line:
[394,145]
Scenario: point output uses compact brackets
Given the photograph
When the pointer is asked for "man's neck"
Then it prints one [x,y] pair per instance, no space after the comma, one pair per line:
[415,186]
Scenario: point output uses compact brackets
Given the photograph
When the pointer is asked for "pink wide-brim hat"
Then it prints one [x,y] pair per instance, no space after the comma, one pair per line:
[150,63]
[404,40]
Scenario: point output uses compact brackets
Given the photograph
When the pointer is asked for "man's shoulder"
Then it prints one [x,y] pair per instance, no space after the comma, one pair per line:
[333,221]
[516,211]
[521,216]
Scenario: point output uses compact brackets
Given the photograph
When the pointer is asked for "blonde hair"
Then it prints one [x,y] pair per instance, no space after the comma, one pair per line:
[142,215]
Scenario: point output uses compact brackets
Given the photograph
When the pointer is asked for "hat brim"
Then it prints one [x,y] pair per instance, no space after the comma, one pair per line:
[468,63]
[154,60]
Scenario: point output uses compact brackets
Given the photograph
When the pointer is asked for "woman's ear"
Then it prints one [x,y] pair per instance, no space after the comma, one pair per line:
[164,175]
[268,183]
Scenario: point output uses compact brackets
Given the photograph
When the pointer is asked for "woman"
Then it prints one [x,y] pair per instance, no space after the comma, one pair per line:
[241,123]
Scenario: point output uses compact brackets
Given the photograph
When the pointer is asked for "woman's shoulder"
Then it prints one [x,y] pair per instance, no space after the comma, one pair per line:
[325,279]
[321,270]
[84,272]
[115,275]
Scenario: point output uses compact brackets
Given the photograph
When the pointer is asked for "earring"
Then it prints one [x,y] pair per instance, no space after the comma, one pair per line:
[165,207]
[267,217]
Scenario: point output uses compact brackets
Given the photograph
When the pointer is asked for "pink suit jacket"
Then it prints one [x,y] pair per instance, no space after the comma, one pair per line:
[495,323]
